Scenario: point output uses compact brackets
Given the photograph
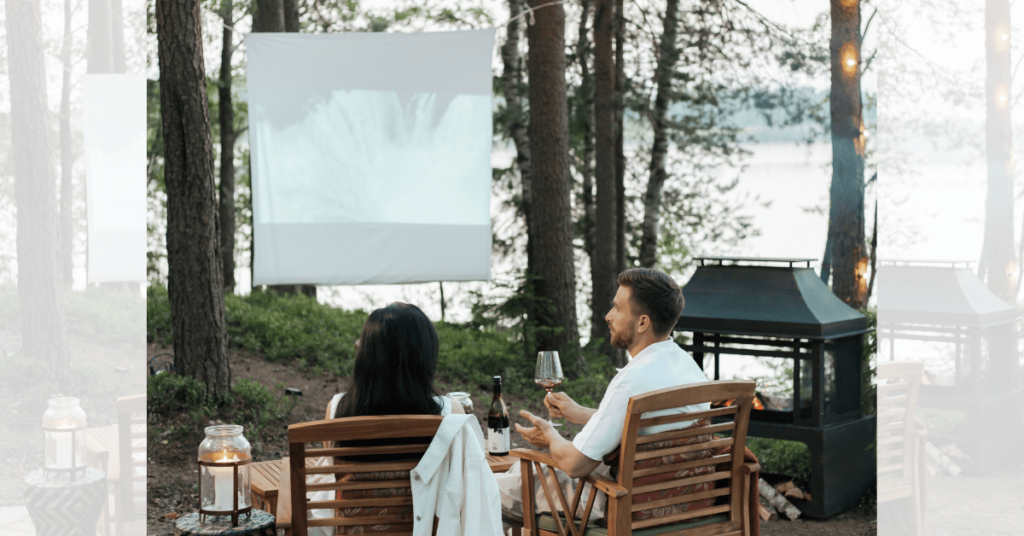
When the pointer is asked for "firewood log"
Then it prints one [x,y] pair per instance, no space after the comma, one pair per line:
[766,514]
[794,493]
[778,501]
[942,460]
[784,487]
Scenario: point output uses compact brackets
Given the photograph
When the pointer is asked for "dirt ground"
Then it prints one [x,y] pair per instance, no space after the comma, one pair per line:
[172,470]
[110,373]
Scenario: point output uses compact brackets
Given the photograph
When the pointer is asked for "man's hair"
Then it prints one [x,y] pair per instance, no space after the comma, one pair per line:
[656,295]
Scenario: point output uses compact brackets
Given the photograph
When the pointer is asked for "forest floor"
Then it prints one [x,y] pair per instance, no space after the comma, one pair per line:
[172,470]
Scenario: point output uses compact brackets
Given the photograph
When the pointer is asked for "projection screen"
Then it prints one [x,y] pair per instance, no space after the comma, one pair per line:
[114,138]
[371,157]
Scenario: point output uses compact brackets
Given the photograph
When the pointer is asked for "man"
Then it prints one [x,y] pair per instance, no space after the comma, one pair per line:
[644,311]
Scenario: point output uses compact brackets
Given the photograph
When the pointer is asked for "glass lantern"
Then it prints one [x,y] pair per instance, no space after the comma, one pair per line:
[224,473]
[64,430]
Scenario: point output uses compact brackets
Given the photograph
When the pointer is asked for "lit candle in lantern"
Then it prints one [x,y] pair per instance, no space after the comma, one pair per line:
[224,484]
[63,448]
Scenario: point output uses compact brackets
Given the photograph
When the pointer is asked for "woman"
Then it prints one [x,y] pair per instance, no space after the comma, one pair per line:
[396,359]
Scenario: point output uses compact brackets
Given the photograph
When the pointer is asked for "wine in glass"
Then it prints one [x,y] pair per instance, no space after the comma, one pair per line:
[549,373]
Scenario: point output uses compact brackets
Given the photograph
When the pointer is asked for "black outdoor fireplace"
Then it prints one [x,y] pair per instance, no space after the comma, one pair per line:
[942,314]
[776,308]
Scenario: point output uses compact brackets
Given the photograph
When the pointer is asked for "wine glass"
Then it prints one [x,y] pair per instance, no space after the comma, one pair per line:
[549,373]
[462,398]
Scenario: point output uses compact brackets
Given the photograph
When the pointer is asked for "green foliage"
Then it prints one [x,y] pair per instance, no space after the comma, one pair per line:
[158,315]
[170,394]
[255,404]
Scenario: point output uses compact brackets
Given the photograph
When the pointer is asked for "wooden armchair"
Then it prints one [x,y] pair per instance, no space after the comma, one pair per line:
[376,496]
[655,492]
[902,442]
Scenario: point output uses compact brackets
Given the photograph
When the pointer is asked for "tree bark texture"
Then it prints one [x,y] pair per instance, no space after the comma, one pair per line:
[846,211]
[268,16]
[586,115]
[117,50]
[667,57]
[227,150]
[518,120]
[620,153]
[194,281]
[67,159]
[100,38]
[1000,261]
[605,217]
[291,15]
[40,285]
[551,213]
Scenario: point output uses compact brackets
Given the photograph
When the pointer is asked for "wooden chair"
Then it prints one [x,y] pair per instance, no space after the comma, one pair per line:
[718,499]
[902,441]
[358,503]
[131,448]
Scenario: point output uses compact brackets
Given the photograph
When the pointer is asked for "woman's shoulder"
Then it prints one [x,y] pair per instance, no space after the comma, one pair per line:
[446,405]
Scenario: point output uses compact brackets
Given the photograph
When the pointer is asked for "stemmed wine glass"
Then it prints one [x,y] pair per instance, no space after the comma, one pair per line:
[549,374]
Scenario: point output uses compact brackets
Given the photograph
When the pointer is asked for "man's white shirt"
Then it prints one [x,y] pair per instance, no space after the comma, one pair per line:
[659,366]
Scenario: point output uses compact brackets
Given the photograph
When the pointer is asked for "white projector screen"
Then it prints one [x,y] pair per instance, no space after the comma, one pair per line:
[114,119]
[371,157]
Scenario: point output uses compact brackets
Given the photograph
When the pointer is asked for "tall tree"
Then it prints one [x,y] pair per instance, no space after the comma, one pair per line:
[551,218]
[194,283]
[100,36]
[999,259]
[620,149]
[40,286]
[117,50]
[291,15]
[517,118]
[585,119]
[846,244]
[668,55]
[226,112]
[605,217]
[67,159]
[268,16]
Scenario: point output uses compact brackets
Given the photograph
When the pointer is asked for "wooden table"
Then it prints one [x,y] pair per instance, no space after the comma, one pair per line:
[267,475]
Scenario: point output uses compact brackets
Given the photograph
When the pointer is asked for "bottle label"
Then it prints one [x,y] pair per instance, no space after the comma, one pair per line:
[498,440]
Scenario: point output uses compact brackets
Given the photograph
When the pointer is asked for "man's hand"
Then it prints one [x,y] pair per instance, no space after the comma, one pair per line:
[567,458]
[561,406]
[538,435]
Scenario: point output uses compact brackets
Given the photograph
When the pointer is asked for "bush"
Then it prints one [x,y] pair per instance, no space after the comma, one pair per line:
[256,405]
[170,394]
[780,457]
[158,315]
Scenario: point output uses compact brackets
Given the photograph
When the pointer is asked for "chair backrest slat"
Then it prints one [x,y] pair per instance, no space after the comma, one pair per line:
[896,408]
[131,449]
[675,475]
[364,493]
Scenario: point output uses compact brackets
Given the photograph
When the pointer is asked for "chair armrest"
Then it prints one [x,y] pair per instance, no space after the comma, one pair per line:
[533,456]
[612,488]
[283,514]
[751,467]
[920,427]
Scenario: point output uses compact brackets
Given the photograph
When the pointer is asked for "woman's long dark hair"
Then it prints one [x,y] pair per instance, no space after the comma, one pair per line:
[395,365]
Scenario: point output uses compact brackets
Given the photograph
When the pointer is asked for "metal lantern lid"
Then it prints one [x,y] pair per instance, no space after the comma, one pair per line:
[755,296]
[942,293]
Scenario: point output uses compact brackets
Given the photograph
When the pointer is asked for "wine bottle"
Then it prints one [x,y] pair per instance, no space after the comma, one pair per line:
[498,439]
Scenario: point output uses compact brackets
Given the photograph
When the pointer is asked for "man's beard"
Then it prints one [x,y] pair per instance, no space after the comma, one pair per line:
[623,340]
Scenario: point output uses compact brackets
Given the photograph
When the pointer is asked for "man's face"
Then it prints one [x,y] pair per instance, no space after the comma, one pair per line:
[621,320]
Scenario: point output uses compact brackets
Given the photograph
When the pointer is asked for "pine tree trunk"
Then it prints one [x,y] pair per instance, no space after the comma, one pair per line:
[101,38]
[605,218]
[620,153]
[67,159]
[667,57]
[1000,262]
[846,211]
[227,151]
[551,211]
[268,16]
[291,15]
[117,49]
[586,113]
[194,283]
[40,285]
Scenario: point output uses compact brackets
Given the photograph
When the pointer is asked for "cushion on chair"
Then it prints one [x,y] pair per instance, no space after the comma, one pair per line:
[546,522]
[673,509]
[372,493]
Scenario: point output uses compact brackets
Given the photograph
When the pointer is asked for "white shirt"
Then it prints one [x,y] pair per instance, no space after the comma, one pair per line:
[454,483]
[659,366]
